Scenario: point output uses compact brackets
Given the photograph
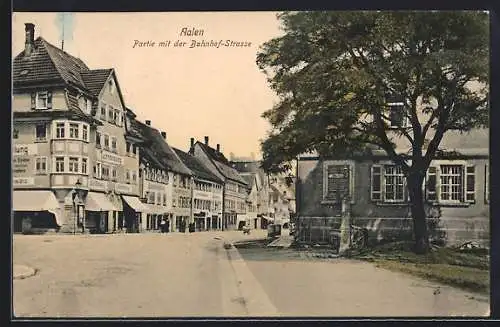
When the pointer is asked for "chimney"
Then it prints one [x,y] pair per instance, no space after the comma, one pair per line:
[148,122]
[29,44]
[192,143]
[206,140]
[218,147]
[164,135]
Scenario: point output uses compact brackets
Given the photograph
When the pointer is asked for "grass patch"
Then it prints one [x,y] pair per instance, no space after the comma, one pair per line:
[466,269]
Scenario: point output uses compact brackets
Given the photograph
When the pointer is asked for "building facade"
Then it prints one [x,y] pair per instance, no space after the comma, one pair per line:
[235,187]
[206,195]
[456,193]
[69,142]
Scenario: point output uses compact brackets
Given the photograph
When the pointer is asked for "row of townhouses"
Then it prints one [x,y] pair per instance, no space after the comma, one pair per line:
[83,162]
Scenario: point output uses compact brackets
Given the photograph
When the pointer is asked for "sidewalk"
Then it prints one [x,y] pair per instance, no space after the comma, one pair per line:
[283,241]
[22,271]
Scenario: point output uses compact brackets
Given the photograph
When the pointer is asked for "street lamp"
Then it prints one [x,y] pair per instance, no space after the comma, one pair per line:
[77,190]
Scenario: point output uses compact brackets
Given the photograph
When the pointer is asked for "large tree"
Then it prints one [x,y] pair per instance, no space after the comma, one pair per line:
[334,71]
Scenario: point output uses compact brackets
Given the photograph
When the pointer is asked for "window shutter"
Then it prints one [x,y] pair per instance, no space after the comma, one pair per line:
[33,100]
[376,183]
[431,184]
[49,99]
[470,184]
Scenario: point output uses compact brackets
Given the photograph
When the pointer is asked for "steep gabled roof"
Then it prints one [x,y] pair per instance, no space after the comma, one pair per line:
[197,167]
[250,179]
[161,149]
[246,166]
[95,79]
[221,163]
[48,62]
[214,154]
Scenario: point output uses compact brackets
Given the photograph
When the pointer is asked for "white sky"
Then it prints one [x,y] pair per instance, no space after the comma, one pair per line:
[185,92]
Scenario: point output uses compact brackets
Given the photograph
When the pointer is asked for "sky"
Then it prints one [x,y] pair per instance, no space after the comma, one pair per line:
[186,92]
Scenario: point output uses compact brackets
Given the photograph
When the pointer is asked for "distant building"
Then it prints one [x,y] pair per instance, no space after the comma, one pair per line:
[258,211]
[207,194]
[235,187]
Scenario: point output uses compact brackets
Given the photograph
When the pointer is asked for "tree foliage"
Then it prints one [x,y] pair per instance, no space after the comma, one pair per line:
[334,71]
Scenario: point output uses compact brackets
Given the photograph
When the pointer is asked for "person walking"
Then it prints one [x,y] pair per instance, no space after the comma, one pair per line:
[167,226]
[163,226]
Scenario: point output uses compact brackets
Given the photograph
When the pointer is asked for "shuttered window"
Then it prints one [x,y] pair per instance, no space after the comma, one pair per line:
[338,182]
[451,183]
[388,184]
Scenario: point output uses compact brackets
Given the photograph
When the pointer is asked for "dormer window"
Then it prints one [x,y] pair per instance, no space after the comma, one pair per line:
[41,100]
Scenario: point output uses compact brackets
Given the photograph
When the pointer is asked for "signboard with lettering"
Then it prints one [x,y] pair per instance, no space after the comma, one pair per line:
[25,149]
[123,188]
[20,165]
[95,184]
[111,158]
[23,181]
[202,195]
[148,185]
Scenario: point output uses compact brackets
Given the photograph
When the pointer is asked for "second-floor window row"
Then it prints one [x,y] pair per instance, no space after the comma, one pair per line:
[64,164]
[68,130]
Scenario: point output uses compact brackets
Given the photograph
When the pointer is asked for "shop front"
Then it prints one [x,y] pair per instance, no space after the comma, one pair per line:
[35,211]
[133,209]
[99,213]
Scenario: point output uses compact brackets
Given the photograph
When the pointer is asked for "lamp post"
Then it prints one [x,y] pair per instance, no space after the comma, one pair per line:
[77,190]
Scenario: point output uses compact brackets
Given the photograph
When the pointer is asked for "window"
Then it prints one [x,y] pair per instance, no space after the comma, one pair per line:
[60,130]
[60,164]
[164,199]
[151,197]
[15,133]
[338,181]
[97,139]
[85,132]
[73,165]
[113,144]
[127,175]
[128,148]
[105,172]
[111,87]
[134,176]
[451,183]
[158,198]
[84,166]
[103,111]
[394,182]
[397,112]
[41,165]
[106,141]
[113,173]
[41,132]
[110,113]
[134,149]
[97,170]
[73,130]
[115,116]
[41,100]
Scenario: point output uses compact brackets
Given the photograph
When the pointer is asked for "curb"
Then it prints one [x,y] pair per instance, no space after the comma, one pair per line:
[257,302]
[22,272]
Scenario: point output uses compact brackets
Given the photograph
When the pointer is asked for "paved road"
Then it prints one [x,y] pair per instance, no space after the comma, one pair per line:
[177,275]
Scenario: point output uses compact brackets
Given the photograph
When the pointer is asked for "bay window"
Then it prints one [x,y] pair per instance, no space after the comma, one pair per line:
[59,164]
[84,166]
[85,132]
[60,130]
[73,165]
[73,130]
[106,141]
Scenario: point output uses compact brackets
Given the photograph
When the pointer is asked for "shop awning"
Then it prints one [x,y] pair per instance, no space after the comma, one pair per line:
[135,203]
[41,200]
[98,202]
[155,209]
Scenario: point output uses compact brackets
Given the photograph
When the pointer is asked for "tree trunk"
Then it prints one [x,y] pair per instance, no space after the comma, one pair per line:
[418,214]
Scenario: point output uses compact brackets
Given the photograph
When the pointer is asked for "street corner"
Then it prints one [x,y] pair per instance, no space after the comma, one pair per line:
[23,271]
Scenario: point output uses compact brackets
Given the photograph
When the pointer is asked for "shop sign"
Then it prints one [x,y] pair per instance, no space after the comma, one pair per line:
[20,164]
[111,158]
[154,186]
[123,188]
[23,181]
[25,149]
[96,184]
